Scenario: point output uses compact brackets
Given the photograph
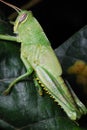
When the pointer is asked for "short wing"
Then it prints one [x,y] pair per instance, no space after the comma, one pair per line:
[49,61]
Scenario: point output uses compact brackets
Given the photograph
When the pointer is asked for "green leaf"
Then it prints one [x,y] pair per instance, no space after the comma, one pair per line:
[24,108]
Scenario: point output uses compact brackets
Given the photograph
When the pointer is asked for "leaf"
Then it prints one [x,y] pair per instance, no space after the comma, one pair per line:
[24,108]
[71,53]
[73,50]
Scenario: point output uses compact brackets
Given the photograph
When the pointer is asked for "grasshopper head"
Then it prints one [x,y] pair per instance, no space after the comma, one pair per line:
[21,19]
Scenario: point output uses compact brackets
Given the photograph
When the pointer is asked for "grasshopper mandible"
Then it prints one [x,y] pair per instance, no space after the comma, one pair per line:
[39,57]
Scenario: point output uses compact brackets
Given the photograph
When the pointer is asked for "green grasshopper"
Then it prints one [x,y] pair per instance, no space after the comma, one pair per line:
[39,58]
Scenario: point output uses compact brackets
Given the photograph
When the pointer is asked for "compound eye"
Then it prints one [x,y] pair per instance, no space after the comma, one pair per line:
[22,17]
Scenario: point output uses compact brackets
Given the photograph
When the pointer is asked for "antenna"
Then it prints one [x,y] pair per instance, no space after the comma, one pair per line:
[12,6]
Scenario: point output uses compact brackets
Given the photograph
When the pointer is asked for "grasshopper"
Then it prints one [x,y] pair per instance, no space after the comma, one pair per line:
[39,58]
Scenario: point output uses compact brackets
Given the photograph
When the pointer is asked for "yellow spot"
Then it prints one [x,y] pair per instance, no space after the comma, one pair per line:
[84,72]
[51,96]
[42,85]
[77,67]
[39,82]
[55,101]
[40,93]
[37,79]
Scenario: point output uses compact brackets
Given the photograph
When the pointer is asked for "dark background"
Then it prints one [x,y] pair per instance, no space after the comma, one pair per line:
[59,19]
